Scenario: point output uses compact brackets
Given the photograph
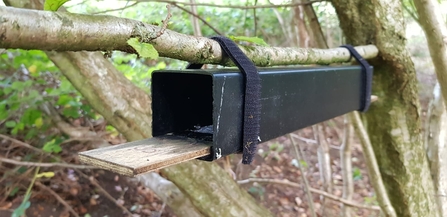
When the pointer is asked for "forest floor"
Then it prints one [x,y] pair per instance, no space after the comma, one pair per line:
[83,190]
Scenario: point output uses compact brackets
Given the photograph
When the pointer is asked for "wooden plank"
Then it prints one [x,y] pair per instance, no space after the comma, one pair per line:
[146,155]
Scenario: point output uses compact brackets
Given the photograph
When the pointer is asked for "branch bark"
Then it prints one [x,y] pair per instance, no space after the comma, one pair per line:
[346,166]
[373,168]
[431,21]
[435,143]
[60,31]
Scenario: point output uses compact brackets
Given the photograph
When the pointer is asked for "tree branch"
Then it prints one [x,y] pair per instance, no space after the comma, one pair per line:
[60,31]
[233,6]
[372,165]
[37,164]
[300,157]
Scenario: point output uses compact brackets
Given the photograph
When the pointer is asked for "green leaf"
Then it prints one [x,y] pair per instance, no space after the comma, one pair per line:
[254,40]
[20,211]
[53,5]
[31,133]
[14,191]
[64,99]
[3,112]
[143,49]
[20,126]
[30,116]
[52,146]
[28,83]
[65,86]
[8,90]
[34,94]
[38,122]
[14,131]
[10,124]
[356,173]
[71,112]
[18,85]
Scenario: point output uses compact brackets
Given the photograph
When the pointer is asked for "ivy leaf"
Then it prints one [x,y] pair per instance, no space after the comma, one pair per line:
[53,5]
[254,40]
[145,50]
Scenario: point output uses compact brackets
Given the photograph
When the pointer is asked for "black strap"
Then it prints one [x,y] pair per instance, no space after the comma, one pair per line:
[367,77]
[252,105]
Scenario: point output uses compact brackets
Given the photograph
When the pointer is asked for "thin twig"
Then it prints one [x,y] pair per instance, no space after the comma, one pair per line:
[22,144]
[104,192]
[371,162]
[324,164]
[37,164]
[346,165]
[306,140]
[198,17]
[58,198]
[116,9]
[411,13]
[165,24]
[233,6]
[299,156]
[313,190]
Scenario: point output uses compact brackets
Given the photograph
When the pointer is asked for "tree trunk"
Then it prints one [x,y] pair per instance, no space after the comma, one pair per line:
[431,21]
[393,122]
[127,108]
[435,142]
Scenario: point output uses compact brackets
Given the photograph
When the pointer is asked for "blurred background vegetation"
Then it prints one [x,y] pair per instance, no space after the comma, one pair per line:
[35,97]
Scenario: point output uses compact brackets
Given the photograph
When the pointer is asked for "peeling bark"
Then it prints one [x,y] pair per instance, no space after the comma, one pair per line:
[393,122]
[60,31]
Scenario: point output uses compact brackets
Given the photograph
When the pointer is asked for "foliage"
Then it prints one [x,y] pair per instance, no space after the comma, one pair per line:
[30,81]
[53,5]
[356,173]
[20,210]
[145,50]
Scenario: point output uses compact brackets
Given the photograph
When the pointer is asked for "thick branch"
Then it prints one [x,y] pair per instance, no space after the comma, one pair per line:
[59,31]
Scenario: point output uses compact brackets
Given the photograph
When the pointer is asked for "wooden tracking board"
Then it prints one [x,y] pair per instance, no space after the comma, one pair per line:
[146,155]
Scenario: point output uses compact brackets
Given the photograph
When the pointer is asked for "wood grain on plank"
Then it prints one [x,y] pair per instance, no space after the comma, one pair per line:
[146,155]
